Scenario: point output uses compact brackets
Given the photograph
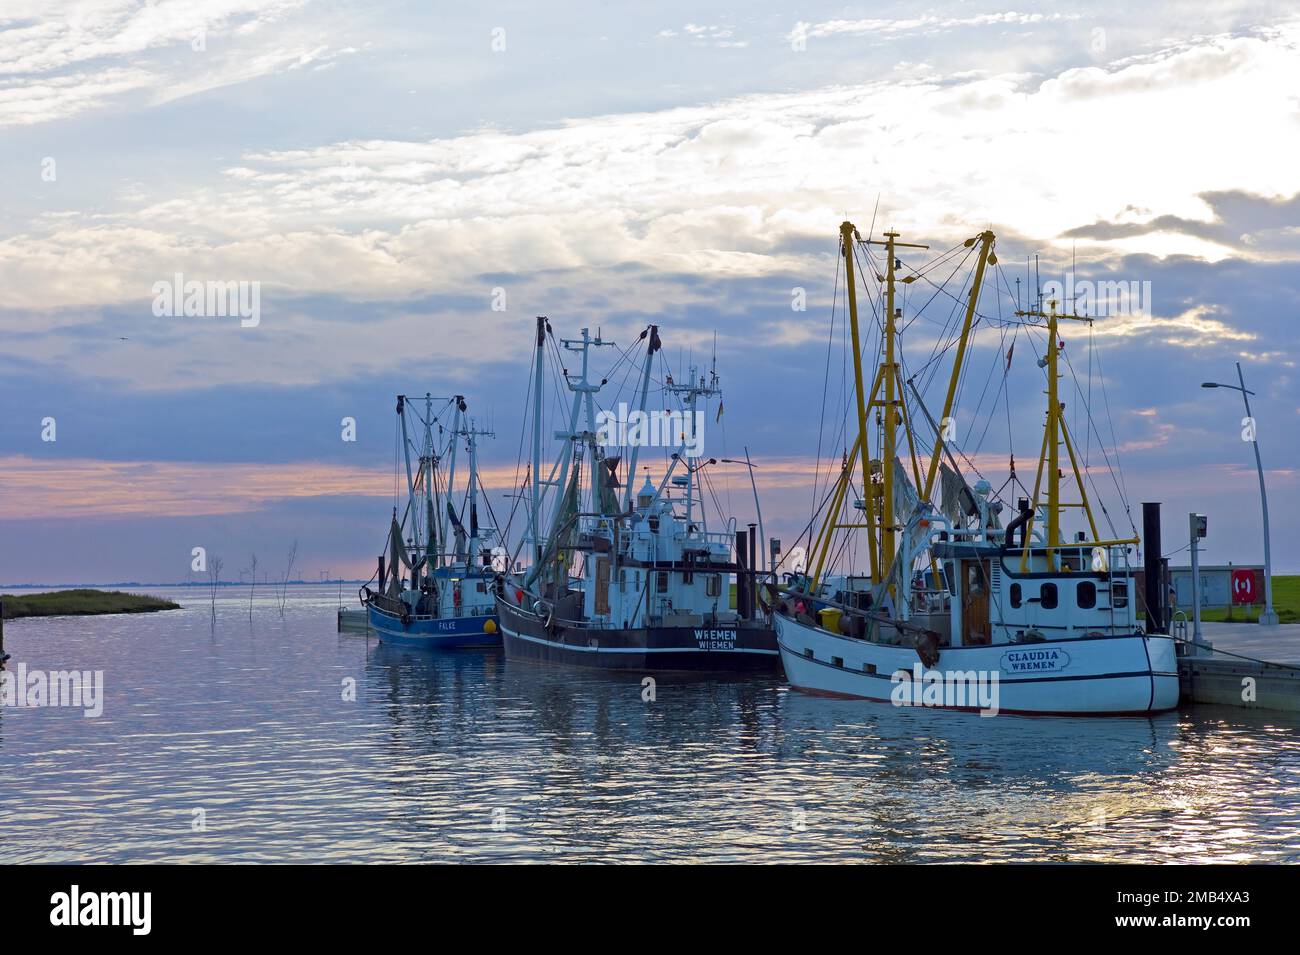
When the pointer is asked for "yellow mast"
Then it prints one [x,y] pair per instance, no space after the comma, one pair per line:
[892,378]
[1055,433]
[881,529]
[847,234]
[887,519]
[986,257]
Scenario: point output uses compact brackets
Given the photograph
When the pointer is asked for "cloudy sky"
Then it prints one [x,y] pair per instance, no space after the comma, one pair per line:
[381,168]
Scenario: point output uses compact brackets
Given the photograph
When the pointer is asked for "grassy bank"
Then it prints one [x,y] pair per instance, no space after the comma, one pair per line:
[1286,601]
[61,603]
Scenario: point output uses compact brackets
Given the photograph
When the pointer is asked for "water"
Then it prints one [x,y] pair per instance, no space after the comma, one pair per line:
[467,757]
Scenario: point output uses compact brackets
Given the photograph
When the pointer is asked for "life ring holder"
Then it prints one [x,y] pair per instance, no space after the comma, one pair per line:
[546,612]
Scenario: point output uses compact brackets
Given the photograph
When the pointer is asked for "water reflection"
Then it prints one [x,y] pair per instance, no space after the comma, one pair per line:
[466,756]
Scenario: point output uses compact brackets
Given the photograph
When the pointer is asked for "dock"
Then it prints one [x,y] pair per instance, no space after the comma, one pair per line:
[353,621]
[1250,666]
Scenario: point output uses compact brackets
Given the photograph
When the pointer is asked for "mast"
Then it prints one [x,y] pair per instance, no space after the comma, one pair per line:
[986,257]
[451,464]
[431,547]
[472,434]
[885,395]
[582,390]
[887,520]
[538,371]
[892,375]
[693,390]
[848,232]
[410,477]
[1056,435]
[652,347]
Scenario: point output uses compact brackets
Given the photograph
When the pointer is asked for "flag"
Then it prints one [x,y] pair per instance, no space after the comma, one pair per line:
[718,417]
[1010,352]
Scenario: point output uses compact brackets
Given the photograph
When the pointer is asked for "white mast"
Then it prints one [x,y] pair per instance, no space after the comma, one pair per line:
[651,348]
[451,464]
[538,371]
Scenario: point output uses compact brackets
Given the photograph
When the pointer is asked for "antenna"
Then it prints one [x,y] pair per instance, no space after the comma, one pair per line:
[1038,282]
[1074,258]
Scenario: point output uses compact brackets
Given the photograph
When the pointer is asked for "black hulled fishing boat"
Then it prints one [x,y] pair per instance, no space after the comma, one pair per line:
[632,582]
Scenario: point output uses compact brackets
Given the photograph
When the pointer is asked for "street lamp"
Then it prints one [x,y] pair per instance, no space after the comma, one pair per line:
[1268,617]
[750,464]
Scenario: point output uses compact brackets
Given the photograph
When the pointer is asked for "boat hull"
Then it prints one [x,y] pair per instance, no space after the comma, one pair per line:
[435,633]
[1126,674]
[716,649]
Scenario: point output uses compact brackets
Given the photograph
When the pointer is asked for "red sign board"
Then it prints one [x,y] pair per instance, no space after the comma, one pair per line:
[1247,585]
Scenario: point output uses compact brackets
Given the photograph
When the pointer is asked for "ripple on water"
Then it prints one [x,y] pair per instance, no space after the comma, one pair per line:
[465,757]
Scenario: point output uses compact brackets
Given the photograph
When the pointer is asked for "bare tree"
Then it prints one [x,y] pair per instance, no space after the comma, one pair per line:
[214,577]
[288,570]
[253,586]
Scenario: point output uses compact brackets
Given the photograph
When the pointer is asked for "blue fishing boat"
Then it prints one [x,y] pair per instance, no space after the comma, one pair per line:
[434,584]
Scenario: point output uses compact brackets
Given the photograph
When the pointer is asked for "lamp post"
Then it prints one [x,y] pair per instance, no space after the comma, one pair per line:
[1268,617]
[750,464]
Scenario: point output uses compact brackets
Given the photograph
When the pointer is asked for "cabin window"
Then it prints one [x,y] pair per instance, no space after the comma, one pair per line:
[837,662]
[622,581]
[807,653]
[1047,597]
[868,668]
[713,585]
[1015,595]
[1086,593]
[1119,593]
[661,582]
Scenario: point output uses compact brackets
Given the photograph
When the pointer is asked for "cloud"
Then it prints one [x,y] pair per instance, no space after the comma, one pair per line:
[1256,226]
[883,27]
[67,488]
[722,36]
[60,58]
[1196,327]
[730,188]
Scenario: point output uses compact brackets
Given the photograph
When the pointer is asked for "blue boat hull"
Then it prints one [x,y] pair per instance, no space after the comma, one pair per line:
[435,633]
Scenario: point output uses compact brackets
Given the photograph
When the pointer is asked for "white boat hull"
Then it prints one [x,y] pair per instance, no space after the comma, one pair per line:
[1111,675]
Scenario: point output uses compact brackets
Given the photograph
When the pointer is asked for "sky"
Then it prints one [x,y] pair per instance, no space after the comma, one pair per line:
[381,170]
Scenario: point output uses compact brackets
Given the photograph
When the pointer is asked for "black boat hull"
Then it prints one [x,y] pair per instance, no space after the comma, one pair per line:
[747,647]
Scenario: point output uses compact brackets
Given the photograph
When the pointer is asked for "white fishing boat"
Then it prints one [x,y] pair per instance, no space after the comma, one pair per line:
[954,610]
